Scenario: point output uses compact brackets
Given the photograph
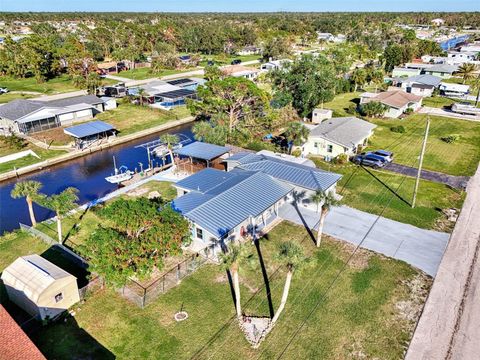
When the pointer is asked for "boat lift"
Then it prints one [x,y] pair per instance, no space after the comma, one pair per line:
[158,148]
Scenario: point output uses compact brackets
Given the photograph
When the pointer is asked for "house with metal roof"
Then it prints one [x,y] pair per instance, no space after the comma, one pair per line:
[29,116]
[40,287]
[345,135]
[199,155]
[167,94]
[420,85]
[224,206]
[305,178]
[444,71]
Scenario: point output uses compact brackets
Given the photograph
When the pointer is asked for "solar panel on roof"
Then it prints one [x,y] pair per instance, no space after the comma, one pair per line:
[179,81]
[176,94]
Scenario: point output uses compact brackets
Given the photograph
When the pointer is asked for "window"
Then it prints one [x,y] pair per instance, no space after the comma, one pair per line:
[315,145]
[58,297]
[330,148]
[199,233]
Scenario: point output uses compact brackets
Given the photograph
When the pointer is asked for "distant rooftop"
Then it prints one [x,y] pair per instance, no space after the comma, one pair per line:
[203,151]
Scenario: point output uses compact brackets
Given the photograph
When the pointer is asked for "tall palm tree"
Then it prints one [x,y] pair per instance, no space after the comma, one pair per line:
[170,140]
[359,77]
[62,203]
[466,71]
[231,262]
[141,94]
[290,255]
[327,200]
[29,190]
[297,134]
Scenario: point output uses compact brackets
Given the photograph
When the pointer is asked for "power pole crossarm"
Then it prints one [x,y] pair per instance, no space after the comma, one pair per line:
[419,172]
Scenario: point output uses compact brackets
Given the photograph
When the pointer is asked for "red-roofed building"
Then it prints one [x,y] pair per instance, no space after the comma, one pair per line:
[14,343]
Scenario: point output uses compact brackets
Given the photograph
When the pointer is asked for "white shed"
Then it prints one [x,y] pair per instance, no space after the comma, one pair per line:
[39,287]
[110,102]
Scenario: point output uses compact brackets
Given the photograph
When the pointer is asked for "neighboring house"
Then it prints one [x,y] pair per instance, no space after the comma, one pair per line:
[459,57]
[475,48]
[397,101]
[306,178]
[14,343]
[110,67]
[450,89]
[404,72]
[438,22]
[241,71]
[318,115]
[249,50]
[223,206]
[39,287]
[167,94]
[444,71]
[29,116]
[185,59]
[338,136]
[275,64]
[421,85]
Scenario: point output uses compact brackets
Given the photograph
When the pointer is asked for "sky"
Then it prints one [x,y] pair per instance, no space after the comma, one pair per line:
[239,5]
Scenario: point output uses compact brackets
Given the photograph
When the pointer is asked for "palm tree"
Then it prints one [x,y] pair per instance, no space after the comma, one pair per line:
[170,140]
[297,134]
[29,190]
[290,255]
[230,261]
[466,71]
[62,203]
[141,93]
[327,200]
[359,77]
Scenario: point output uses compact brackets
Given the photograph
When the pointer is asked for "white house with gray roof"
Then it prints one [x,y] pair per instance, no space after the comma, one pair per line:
[338,136]
[29,116]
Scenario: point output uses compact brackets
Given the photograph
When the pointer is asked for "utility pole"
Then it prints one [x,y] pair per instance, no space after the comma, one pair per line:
[419,172]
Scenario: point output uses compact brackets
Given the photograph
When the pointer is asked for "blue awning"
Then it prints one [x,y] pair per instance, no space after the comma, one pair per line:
[88,129]
[203,151]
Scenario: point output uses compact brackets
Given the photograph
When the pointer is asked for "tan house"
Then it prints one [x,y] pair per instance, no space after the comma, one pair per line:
[39,287]
[241,71]
[397,101]
[338,136]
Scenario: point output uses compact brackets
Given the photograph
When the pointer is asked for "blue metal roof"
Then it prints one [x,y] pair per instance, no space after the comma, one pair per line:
[219,212]
[201,150]
[297,174]
[204,180]
[238,156]
[88,129]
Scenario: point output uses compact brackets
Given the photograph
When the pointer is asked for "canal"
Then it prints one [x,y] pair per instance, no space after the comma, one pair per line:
[86,173]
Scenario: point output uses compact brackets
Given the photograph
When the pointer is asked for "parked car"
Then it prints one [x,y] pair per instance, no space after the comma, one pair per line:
[210,62]
[3,91]
[387,155]
[236,61]
[371,160]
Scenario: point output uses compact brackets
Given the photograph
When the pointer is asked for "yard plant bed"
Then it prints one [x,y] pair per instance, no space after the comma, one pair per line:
[370,311]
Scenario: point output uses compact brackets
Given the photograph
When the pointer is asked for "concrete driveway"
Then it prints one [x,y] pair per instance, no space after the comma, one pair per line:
[418,247]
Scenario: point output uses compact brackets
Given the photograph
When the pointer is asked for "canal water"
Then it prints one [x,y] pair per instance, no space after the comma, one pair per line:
[87,174]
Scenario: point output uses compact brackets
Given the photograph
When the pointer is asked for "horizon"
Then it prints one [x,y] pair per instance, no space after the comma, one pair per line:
[246,6]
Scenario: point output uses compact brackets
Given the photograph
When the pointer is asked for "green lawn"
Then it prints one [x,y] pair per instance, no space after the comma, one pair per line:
[129,118]
[340,104]
[362,191]
[5,98]
[441,102]
[222,60]
[358,315]
[145,73]
[459,158]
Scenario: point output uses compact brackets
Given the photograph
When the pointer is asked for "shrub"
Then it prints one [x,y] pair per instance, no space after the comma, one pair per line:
[297,152]
[398,129]
[450,139]
[352,109]
[373,109]
[341,159]
[408,111]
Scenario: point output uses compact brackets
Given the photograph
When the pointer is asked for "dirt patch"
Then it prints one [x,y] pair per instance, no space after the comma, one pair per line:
[54,136]
[411,308]
[361,258]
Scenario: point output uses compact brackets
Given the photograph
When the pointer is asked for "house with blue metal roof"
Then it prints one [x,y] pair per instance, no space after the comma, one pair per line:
[224,206]
[199,155]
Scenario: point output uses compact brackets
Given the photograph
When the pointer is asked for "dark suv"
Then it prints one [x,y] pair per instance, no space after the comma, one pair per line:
[236,61]
[371,160]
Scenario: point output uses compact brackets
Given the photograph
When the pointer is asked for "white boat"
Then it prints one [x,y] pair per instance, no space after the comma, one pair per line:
[121,175]
[163,150]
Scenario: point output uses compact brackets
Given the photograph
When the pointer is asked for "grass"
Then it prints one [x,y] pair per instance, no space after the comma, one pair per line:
[18,243]
[129,118]
[220,59]
[56,85]
[340,104]
[441,102]
[362,191]
[358,315]
[5,98]
[145,73]
[459,158]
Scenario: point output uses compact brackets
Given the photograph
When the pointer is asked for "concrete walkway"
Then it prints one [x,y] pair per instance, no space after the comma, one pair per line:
[449,327]
[418,247]
[457,182]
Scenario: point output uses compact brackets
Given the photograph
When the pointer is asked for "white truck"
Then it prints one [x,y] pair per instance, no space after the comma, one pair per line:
[466,109]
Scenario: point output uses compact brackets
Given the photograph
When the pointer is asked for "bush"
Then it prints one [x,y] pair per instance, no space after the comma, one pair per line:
[408,111]
[373,109]
[398,129]
[352,109]
[450,139]
[341,159]
[297,152]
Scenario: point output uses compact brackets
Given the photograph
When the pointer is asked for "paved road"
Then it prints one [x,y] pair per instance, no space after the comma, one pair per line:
[447,113]
[449,327]
[418,247]
[457,182]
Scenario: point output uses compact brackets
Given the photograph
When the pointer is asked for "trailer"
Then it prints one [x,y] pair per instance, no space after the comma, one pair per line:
[466,109]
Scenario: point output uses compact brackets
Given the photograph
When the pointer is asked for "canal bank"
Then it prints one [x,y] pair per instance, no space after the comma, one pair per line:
[86,173]
[76,154]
